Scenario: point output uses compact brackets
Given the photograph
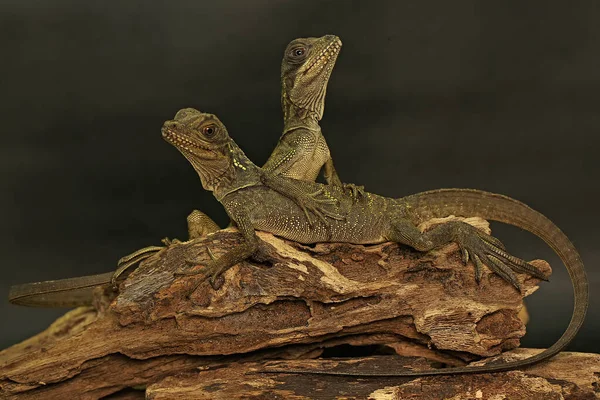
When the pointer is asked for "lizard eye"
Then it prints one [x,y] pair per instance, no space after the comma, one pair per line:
[209,131]
[298,52]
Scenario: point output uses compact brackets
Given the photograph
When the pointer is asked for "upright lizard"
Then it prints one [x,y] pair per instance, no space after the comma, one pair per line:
[302,151]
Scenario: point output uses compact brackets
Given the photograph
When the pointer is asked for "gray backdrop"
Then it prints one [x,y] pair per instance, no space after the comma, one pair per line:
[501,96]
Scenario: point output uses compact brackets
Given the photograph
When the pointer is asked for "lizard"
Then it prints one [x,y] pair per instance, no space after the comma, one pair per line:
[236,183]
[302,151]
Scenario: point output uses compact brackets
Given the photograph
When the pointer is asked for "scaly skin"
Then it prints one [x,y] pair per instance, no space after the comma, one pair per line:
[236,182]
[302,151]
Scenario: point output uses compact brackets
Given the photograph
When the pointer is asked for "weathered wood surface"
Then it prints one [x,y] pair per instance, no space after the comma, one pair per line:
[302,300]
[566,376]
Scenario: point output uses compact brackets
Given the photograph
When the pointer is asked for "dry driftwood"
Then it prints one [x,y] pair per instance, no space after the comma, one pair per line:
[566,376]
[303,300]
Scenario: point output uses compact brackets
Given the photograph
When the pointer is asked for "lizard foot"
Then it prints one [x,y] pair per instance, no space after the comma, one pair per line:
[184,271]
[132,259]
[168,242]
[137,257]
[317,206]
[357,191]
[484,249]
[211,271]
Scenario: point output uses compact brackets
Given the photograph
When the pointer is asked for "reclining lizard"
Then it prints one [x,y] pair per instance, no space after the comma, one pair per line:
[236,183]
[204,141]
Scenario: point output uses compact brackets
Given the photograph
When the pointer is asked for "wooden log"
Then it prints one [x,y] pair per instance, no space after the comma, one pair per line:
[302,300]
[566,376]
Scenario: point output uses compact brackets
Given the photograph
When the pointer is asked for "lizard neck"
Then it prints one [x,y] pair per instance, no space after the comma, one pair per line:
[243,173]
[295,117]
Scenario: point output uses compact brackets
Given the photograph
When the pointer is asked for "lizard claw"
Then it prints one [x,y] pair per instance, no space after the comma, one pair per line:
[485,249]
[132,259]
[183,271]
[478,268]
[216,281]
[356,190]
[168,242]
[137,257]
[465,255]
[210,272]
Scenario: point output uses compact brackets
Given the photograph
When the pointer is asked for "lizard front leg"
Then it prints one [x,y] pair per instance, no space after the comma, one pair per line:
[200,225]
[474,244]
[306,201]
[214,268]
[330,174]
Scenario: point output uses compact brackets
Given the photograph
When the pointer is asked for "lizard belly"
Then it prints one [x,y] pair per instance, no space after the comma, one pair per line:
[282,217]
[365,221]
[271,212]
[315,154]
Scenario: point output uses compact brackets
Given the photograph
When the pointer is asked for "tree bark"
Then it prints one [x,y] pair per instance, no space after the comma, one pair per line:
[303,300]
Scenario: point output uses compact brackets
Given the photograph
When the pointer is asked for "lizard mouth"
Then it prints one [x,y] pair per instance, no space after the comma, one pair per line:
[186,144]
[330,52]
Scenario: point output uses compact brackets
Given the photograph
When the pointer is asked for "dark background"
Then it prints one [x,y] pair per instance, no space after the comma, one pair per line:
[502,96]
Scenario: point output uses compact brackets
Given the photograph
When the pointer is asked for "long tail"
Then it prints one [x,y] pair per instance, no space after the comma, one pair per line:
[70,292]
[74,292]
[495,207]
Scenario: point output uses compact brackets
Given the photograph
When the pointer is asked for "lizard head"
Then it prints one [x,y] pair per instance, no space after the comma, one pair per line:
[305,71]
[203,140]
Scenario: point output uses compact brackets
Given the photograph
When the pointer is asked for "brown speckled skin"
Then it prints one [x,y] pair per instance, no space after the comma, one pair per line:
[272,212]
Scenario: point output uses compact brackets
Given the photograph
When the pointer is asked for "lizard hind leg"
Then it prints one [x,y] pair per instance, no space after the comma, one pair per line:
[199,225]
[475,245]
[132,259]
